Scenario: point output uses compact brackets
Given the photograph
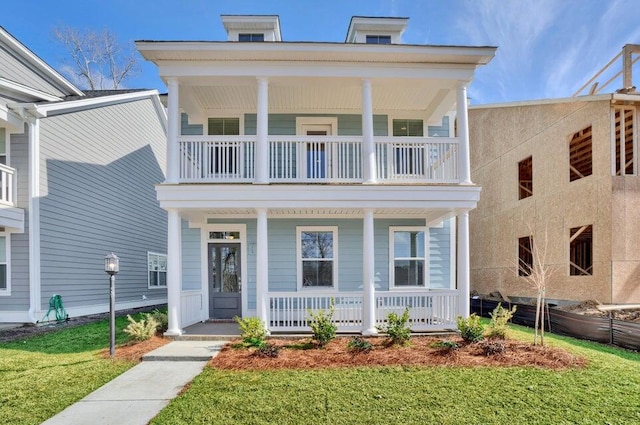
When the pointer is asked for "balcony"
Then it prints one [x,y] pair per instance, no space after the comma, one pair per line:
[318,159]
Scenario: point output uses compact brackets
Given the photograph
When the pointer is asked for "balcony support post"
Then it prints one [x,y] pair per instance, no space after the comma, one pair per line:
[369,301]
[464,164]
[173,130]
[462,223]
[368,145]
[174,271]
[262,133]
[262,267]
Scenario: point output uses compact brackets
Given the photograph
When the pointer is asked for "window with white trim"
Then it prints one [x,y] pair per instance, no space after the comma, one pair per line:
[157,265]
[407,252]
[5,287]
[244,37]
[3,146]
[317,252]
[378,39]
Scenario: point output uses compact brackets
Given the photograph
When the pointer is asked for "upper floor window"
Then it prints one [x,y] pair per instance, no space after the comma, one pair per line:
[5,286]
[317,252]
[3,146]
[251,37]
[525,178]
[412,128]
[157,267]
[223,127]
[624,142]
[580,155]
[378,39]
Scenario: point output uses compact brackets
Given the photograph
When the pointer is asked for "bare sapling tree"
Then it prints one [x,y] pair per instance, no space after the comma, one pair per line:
[96,60]
[537,272]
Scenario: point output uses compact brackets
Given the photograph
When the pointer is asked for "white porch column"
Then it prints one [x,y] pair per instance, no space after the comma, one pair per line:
[173,130]
[464,158]
[462,223]
[369,302]
[262,267]
[368,145]
[174,271]
[262,133]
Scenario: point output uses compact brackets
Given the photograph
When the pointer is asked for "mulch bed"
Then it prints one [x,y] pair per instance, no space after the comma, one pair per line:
[418,353]
[133,351]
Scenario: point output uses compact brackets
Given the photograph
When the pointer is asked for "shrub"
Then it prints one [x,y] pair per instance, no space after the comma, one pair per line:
[446,345]
[143,329]
[267,350]
[397,329]
[322,326]
[471,329]
[252,331]
[499,318]
[163,320]
[357,344]
[493,347]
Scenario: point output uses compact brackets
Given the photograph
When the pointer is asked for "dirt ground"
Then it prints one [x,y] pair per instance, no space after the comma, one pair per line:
[135,350]
[590,308]
[296,354]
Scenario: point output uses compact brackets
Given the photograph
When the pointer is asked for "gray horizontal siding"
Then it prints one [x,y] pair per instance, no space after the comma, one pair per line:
[98,171]
[14,69]
[19,299]
[285,124]
[440,256]
[191,267]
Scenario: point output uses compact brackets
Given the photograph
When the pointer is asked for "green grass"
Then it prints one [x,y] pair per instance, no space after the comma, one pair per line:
[607,391]
[42,375]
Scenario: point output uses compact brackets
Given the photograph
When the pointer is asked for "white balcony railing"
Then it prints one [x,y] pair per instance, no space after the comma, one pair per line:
[319,159]
[7,185]
[428,310]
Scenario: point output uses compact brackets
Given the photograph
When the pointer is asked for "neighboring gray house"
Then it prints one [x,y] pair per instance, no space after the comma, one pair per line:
[77,176]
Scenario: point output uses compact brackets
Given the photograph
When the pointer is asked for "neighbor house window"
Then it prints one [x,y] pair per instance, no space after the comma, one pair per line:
[4,265]
[157,270]
[580,155]
[378,39]
[525,256]
[317,253]
[525,178]
[224,156]
[251,37]
[407,257]
[581,251]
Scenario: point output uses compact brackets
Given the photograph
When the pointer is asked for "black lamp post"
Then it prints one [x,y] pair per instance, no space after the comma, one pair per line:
[112,266]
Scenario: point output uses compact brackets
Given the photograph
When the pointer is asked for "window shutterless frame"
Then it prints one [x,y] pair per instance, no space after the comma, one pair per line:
[398,256]
[313,256]
[156,270]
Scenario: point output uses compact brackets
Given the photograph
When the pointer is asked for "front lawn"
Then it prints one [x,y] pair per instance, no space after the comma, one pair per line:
[606,391]
[42,375]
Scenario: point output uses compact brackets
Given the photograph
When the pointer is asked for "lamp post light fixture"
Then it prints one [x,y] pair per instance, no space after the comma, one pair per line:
[111,267]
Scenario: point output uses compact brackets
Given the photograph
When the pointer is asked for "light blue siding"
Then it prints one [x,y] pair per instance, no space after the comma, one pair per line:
[285,124]
[441,130]
[440,256]
[187,129]
[191,258]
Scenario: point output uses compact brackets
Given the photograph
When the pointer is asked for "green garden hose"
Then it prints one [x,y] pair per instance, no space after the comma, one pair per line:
[55,304]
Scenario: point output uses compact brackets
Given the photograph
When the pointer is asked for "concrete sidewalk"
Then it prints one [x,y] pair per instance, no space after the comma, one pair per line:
[139,394]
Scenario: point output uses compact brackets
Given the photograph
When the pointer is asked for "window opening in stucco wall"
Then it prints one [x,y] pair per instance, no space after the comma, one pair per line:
[581,251]
[624,136]
[580,155]
[525,178]
[525,256]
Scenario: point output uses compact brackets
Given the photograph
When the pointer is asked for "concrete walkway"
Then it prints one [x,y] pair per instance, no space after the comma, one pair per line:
[139,394]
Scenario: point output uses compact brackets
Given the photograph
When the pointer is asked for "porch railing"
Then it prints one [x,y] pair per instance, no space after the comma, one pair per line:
[318,159]
[428,310]
[7,185]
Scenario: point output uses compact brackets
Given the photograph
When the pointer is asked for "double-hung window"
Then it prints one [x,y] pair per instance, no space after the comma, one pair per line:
[407,257]
[157,267]
[378,39]
[251,37]
[408,156]
[317,256]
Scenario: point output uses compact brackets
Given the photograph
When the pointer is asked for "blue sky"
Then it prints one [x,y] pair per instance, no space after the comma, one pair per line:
[547,48]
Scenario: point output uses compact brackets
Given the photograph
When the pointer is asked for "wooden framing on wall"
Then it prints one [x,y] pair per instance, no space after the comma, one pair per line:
[580,154]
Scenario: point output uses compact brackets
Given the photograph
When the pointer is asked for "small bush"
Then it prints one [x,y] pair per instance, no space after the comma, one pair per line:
[471,329]
[267,350]
[357,344]
[493,347]
[163,320]
[252,331]
[499,318]
[397,329]
[446,345]
[322,326]
[143,329]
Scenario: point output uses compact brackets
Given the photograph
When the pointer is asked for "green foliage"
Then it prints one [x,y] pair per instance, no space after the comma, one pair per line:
[499,318]
[446,345]
[252,331]
[162,318]
[471,329]
[267,350]
[397,328]
[357,344]
[143,329]
[322,326]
